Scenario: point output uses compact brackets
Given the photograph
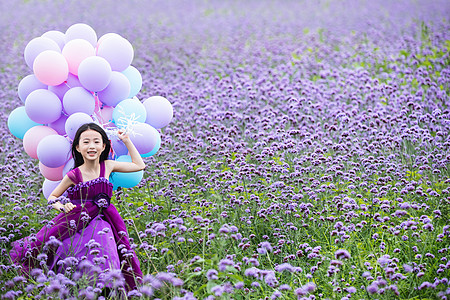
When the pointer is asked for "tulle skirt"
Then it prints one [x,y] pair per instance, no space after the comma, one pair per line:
[95,244]
[86,240]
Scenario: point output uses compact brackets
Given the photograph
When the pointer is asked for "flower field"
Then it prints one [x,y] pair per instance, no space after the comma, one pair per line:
[308,156]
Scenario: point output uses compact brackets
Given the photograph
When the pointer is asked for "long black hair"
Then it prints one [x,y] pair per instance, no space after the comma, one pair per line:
[77,157]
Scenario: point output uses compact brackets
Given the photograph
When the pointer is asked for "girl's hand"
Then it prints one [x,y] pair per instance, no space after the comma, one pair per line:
[123,135]
[67,207]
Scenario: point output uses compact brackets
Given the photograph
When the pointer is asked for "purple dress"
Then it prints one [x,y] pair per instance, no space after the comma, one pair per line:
[92,231]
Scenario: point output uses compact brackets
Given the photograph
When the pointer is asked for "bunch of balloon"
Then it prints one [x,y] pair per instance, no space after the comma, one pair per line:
[78,79]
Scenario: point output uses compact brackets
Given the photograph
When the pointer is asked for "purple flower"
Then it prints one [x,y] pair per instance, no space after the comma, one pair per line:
[212,274]
[146,291]
[276,295]
[271,279]
[309,287]
[384,260]
[224,263]
[372,288]
[300,292]
[407,268]
[153,281]
[239,285]
[217,290]
[53,242]
[284,267]
[253,272]
[134,293]
[342,254]
[284,287]
[266,246]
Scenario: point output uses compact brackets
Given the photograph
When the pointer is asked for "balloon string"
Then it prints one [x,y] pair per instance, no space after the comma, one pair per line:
[97,111]
[127,122]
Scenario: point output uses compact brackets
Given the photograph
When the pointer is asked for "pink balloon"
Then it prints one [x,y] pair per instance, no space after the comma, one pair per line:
[53,174]
[32,138]
[51,68]
[75,51]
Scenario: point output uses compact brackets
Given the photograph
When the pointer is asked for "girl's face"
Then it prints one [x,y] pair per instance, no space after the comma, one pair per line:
[90,145]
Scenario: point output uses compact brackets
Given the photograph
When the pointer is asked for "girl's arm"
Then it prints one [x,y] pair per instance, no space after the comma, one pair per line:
[58,191]
[136,164]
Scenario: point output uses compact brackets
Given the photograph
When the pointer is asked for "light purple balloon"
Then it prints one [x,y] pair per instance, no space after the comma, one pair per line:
[36,46]
[119,147]
[53,151]
[48,187]
[43,106]
[117,50]
[117,90]
[144,137]
[57,36]
[27,85]
[75,121]
[78,99]
[81,31]
[68,166]
[94,73]
[73,81]
[59,125]
[159,111]
[59,90]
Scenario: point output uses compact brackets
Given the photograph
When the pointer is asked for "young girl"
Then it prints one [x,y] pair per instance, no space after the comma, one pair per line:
[88,228]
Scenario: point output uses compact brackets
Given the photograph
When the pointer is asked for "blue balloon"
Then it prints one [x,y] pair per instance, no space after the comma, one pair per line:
[135,79]
[19,122]
[129,110]
[155,149]
[125,180]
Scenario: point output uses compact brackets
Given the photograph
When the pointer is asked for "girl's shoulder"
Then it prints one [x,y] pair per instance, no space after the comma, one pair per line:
[73,174]
[109,164]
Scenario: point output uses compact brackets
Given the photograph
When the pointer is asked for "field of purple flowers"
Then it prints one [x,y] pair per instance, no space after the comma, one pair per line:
[308,157]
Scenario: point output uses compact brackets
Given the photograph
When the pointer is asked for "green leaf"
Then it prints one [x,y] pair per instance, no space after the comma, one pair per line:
[235,278]
[231,269]
[195,274]
[210,285]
